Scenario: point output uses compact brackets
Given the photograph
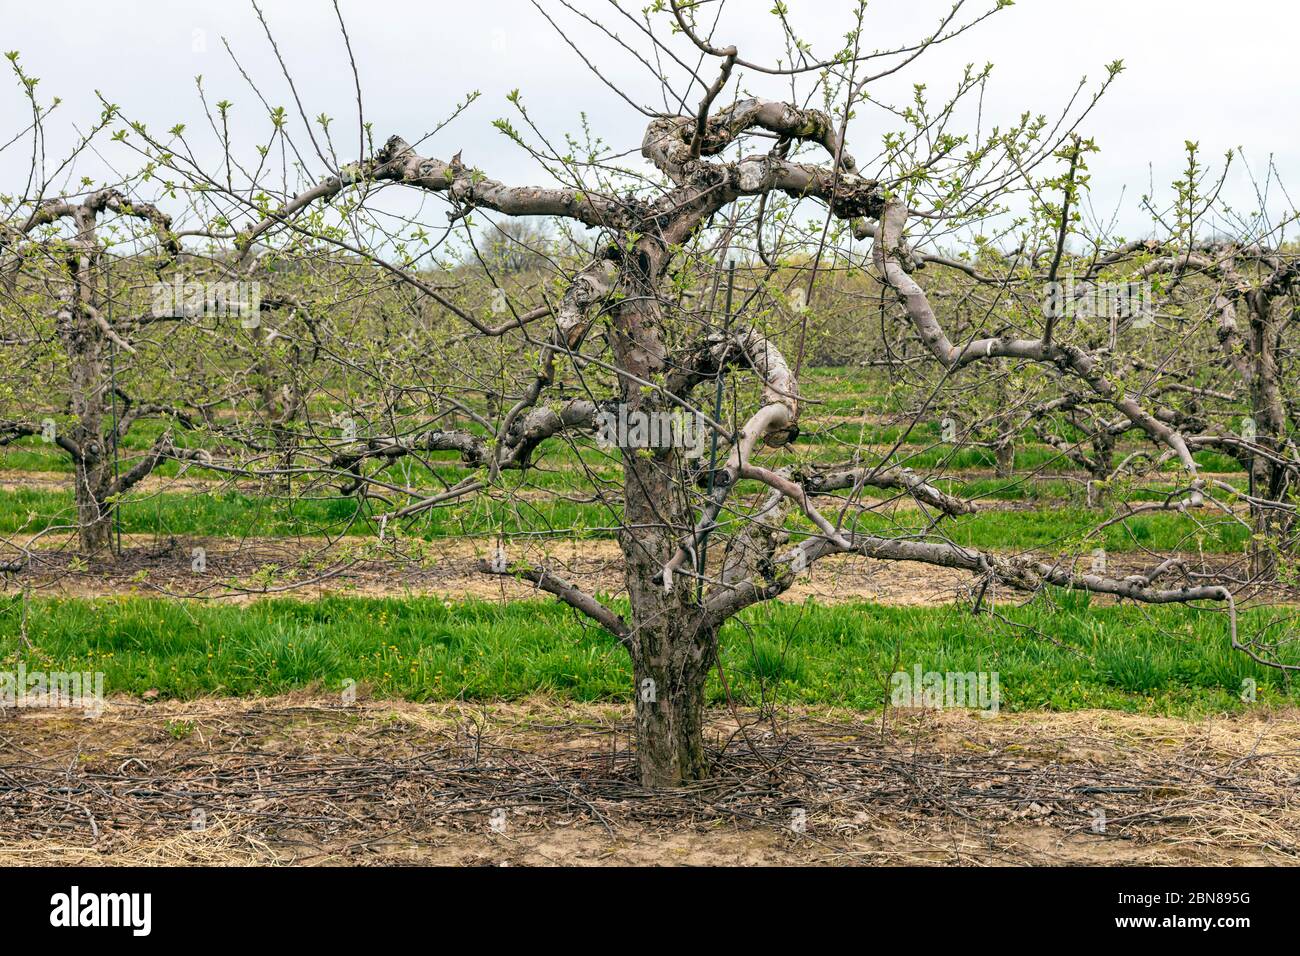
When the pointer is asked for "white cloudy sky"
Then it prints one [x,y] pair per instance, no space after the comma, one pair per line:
[1222,73]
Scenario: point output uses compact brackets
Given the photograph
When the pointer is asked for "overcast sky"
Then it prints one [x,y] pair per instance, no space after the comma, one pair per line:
[1222,73]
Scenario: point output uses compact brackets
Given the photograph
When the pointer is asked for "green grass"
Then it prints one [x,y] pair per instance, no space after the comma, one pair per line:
[230,514]
[1063,656]
[1062,528]
[828,445]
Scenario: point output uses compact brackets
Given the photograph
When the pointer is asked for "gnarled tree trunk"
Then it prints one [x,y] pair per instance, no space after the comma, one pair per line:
[671,643]
[90,393]
[671,666]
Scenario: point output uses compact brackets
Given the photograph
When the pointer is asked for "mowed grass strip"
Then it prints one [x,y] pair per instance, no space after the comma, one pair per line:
[233,514]
[1171,660]
[570,467]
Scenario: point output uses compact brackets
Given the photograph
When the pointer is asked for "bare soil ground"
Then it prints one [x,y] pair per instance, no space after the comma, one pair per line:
[305,780]
[308,568]
[14,479]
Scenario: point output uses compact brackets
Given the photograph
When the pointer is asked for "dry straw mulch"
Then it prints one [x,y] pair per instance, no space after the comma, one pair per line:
[306,780]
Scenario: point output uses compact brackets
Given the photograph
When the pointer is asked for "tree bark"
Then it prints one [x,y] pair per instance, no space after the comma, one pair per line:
[1268,479]
[1101,466]
[1006,455]
[671,641]
[96,530]
[86,349]
[670,682]
[672,644]
[1267,524]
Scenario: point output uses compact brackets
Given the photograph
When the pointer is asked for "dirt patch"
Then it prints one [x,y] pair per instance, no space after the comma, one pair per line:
[251,569]
[309,781]
[12,479]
